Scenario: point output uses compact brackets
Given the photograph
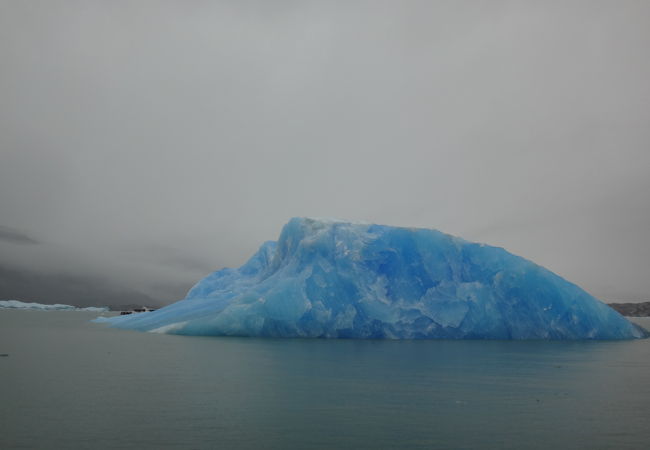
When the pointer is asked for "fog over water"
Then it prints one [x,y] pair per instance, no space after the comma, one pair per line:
[145,144]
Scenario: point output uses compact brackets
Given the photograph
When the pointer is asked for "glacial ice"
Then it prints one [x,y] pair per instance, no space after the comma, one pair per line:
[17,304]
[335,279]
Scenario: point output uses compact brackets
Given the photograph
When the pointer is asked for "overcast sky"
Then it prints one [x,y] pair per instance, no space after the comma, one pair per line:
[146,144]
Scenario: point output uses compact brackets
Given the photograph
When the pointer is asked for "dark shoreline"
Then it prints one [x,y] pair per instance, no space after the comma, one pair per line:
[632,309]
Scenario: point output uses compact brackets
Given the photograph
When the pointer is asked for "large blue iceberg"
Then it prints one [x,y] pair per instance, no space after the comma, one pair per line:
[334,279]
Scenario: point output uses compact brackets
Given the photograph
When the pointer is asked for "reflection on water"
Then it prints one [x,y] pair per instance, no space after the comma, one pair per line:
[68,383]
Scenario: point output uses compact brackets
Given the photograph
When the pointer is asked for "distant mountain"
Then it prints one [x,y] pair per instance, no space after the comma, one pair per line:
[80,290]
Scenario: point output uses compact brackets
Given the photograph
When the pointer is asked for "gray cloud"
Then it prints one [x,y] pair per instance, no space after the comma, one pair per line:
[169,257]
[201,127]
[15,236]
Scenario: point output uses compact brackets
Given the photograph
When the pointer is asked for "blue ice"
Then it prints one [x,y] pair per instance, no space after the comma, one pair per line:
[333,279]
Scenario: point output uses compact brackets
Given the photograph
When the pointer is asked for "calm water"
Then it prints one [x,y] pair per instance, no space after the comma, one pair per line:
[68,383]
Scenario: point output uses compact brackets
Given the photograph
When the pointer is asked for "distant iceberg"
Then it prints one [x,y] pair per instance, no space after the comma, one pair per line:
[325,278]
[15,304]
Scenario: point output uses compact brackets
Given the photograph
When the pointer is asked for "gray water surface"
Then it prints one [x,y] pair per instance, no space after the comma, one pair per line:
[68,383]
